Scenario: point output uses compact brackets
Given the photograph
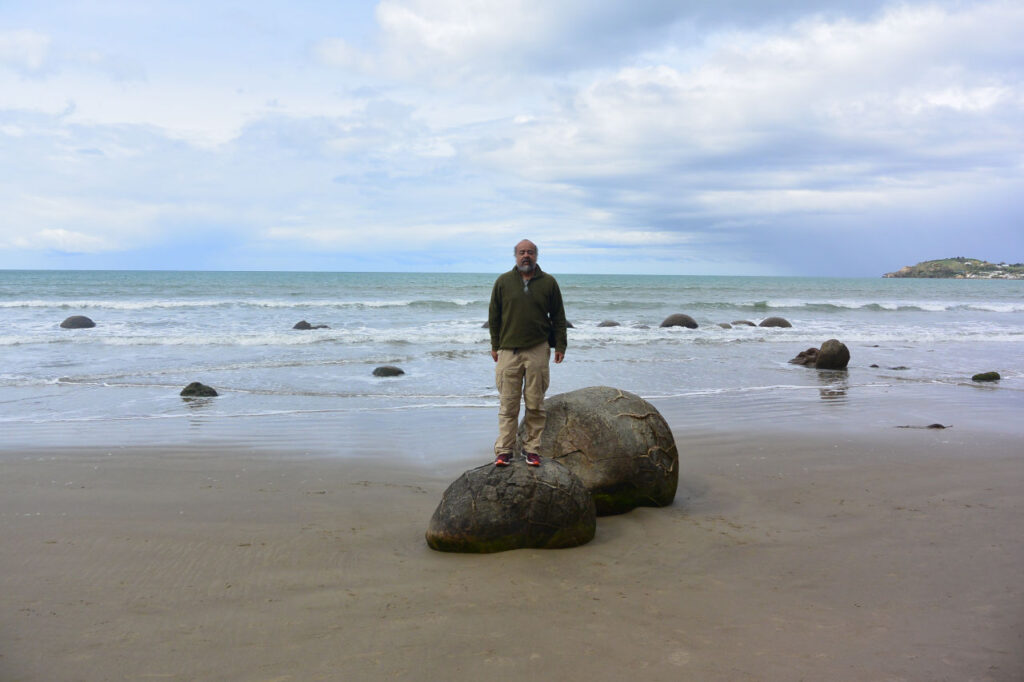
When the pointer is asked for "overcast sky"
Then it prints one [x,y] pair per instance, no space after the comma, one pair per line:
[744,137]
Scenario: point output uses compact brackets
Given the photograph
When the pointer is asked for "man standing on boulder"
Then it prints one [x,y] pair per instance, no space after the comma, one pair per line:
[526,319]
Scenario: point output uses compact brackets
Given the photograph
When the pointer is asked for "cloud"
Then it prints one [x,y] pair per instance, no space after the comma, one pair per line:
[454,39]
[24,50]
[669,131]
[517,34]
[67,224]
[338,52]
[62,240]
[840,109]
[364,236]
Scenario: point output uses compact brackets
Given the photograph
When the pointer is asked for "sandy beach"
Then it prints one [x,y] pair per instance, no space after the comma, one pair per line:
[890,555]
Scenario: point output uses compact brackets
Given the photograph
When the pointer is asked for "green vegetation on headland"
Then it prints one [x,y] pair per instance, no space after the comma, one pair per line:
[961,268]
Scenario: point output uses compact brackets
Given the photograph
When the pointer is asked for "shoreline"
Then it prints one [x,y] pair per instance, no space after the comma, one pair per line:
[884,555]
[802,402]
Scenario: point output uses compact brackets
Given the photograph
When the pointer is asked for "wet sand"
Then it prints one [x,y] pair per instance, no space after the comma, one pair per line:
[890,555]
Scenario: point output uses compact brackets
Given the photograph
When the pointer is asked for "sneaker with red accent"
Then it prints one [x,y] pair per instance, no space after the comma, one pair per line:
[533,459]
[503,459]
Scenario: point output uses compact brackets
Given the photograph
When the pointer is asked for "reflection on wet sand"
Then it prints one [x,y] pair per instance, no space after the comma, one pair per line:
[835,384]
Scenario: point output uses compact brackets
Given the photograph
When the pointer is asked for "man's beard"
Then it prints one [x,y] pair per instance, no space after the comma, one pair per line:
[526,267]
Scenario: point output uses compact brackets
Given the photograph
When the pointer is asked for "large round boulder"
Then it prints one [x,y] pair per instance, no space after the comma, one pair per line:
[617,443]
[492,509]
[743,323]
[833,354]
[388,371]
[77,322]
[775,322]
[198,390]
[608,323]
[986,376]
[679,320]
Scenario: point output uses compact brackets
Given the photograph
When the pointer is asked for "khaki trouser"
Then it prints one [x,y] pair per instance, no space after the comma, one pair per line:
[521,374]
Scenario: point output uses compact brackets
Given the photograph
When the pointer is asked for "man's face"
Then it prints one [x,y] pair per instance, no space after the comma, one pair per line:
[526,256]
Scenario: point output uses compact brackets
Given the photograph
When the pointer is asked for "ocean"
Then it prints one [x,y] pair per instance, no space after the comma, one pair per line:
[914,345]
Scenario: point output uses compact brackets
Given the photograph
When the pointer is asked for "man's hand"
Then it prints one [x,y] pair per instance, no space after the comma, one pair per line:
[559,357]
[494,355]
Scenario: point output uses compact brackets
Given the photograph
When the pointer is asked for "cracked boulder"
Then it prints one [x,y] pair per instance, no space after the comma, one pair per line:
[617,443]
[492,509]
[807,357]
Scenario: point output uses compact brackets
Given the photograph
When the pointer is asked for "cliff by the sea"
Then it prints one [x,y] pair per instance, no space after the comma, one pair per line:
[961,268]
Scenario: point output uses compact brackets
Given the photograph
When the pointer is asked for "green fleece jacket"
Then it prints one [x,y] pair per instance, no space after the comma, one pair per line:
[521,316]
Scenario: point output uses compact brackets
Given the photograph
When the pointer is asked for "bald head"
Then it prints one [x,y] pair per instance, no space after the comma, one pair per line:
[526,256]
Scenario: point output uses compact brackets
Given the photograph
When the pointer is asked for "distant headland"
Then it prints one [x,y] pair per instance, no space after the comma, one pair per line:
[961,268]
